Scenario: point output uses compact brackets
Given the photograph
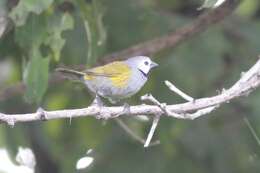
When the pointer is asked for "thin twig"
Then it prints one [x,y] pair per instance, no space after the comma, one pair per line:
[178,91]
[194,115]
[252,130]
[129,131]
[152,130]
[198,113]
[132,133]
[162,106]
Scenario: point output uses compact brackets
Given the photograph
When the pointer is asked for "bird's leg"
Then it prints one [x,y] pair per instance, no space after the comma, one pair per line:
[104,112]
[125,111]
[97,102]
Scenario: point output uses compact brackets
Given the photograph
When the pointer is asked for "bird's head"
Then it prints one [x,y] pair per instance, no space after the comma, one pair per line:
[143,63]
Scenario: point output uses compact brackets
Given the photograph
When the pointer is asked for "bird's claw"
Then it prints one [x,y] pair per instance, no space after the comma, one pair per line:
[97,102]
[125,111]
[42,114]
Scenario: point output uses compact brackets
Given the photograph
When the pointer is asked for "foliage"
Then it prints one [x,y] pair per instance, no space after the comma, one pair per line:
[43,35]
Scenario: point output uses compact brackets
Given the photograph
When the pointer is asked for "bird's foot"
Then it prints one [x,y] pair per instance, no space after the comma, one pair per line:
[42,114]
[104,112]
[97,102]
[125,111]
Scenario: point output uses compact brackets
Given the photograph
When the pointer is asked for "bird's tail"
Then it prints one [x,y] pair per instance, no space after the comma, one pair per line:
[71,74]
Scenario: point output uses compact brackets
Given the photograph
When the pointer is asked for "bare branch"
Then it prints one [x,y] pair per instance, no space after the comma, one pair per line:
[192,116]
[150,97]
[248,82]
[133,134]
[129,131]
[252,130]
[19,88]
[152,130]
[178,91]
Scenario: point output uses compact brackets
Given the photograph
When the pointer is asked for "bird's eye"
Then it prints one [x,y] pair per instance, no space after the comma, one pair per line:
[146,63]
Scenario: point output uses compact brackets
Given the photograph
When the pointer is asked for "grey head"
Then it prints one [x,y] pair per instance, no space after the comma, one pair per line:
[143,64]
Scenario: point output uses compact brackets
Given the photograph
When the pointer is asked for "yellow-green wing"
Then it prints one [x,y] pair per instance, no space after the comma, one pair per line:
[118,72]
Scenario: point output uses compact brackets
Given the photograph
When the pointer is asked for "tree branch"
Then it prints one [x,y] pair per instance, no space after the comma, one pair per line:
[174,38]
[153,46]
[248,82]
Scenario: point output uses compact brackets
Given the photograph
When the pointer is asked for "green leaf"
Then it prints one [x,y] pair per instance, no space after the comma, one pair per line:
[56,26]
[92,16]
[33,33]
[20,13]
[36,77]
[45,29]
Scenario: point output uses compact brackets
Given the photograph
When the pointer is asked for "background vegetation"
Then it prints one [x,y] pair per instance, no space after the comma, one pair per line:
[42,35]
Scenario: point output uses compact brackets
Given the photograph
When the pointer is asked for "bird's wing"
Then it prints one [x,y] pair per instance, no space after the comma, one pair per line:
[118,72]
[110,70]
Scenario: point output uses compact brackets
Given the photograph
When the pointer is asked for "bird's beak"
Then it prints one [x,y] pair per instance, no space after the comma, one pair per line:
[153,64]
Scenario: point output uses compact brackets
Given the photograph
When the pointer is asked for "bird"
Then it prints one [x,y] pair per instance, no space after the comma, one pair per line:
[116,80]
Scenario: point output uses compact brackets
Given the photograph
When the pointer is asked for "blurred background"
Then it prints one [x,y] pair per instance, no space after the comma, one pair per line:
[38,36]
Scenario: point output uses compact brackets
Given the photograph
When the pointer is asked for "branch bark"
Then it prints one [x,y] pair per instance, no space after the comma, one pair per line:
[153,46]
[248,82]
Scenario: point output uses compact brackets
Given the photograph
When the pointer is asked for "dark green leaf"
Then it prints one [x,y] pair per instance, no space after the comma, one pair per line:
[55,28]
[96,35]
[47,30]
[36,77]
[20,13]
[33,33]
